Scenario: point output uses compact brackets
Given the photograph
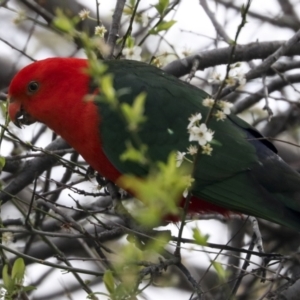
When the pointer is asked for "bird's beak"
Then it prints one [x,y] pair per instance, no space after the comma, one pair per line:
[17,114]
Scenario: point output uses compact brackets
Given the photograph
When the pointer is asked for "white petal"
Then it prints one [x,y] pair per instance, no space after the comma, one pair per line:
[202,141]
[137,50]
[203,127]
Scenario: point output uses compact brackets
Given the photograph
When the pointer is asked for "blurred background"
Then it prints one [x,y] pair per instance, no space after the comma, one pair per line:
[269,100]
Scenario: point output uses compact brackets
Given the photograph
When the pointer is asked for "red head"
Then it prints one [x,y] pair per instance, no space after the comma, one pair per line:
[40,89]
[53,92]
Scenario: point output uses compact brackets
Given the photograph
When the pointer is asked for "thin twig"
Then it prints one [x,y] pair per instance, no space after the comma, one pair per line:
[256,231]
[243,270]
[283,21]
[275,277]
[47,263]
[129,29]
[20,51]
[220,91]
[98,13]
[266,94]
[218,27]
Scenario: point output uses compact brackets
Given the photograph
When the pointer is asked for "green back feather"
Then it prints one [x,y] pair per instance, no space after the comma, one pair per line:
[243,174]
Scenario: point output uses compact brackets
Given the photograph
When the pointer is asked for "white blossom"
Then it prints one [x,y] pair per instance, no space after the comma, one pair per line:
[194,119]
[192,150]
[220,115]
[100,31]
[185,193]
[215,78]
[231,81]
[201,134]
[133,53]
[156,62]
[208,102]
[179,158]
[207,149]
[84,14]
[20,17]
[144,20]
[240,76]
[7,237]
[225,106]
[236,76]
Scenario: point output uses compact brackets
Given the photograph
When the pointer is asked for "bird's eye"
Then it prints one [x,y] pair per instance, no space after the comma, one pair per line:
[33,86]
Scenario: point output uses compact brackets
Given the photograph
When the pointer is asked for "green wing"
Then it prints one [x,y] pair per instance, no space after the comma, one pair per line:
[243,174]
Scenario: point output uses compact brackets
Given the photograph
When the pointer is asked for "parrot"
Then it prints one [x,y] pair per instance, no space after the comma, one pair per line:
[243,174]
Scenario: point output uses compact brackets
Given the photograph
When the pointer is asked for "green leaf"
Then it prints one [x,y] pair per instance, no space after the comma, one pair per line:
[199,238]
[135,155]
[109,282]
[134,114]
[3,107]
[127,11]
[63,23]
[107,90]
[130,41]
[18,270]
[219,269]
[2,163]
[160,191]
[28,288]
[165,25]
[161,6]
[232,42]
[216,143]
[7,281]
[132,3]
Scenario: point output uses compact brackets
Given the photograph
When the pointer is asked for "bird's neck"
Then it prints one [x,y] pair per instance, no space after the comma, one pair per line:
[81,129]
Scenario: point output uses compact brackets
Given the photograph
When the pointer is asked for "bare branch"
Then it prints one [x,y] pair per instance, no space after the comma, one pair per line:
[263,67]
[115,26]
[215,57]
[48,17]
[218,27]
[274,85]
[31,169]
[284,21]
[288,9]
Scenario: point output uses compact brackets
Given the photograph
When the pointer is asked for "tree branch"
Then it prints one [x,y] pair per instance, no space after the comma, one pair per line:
[284,21]
[218,27]
[215,57]
[31,169]
[263,67]
[115,26]
[274,85]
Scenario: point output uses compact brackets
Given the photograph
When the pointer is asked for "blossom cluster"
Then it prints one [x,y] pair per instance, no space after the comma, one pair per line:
[100,31]
[235,76]
[224,108]
[143,19]
[133,53]
[84,14]
[21,16]
[198,132]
